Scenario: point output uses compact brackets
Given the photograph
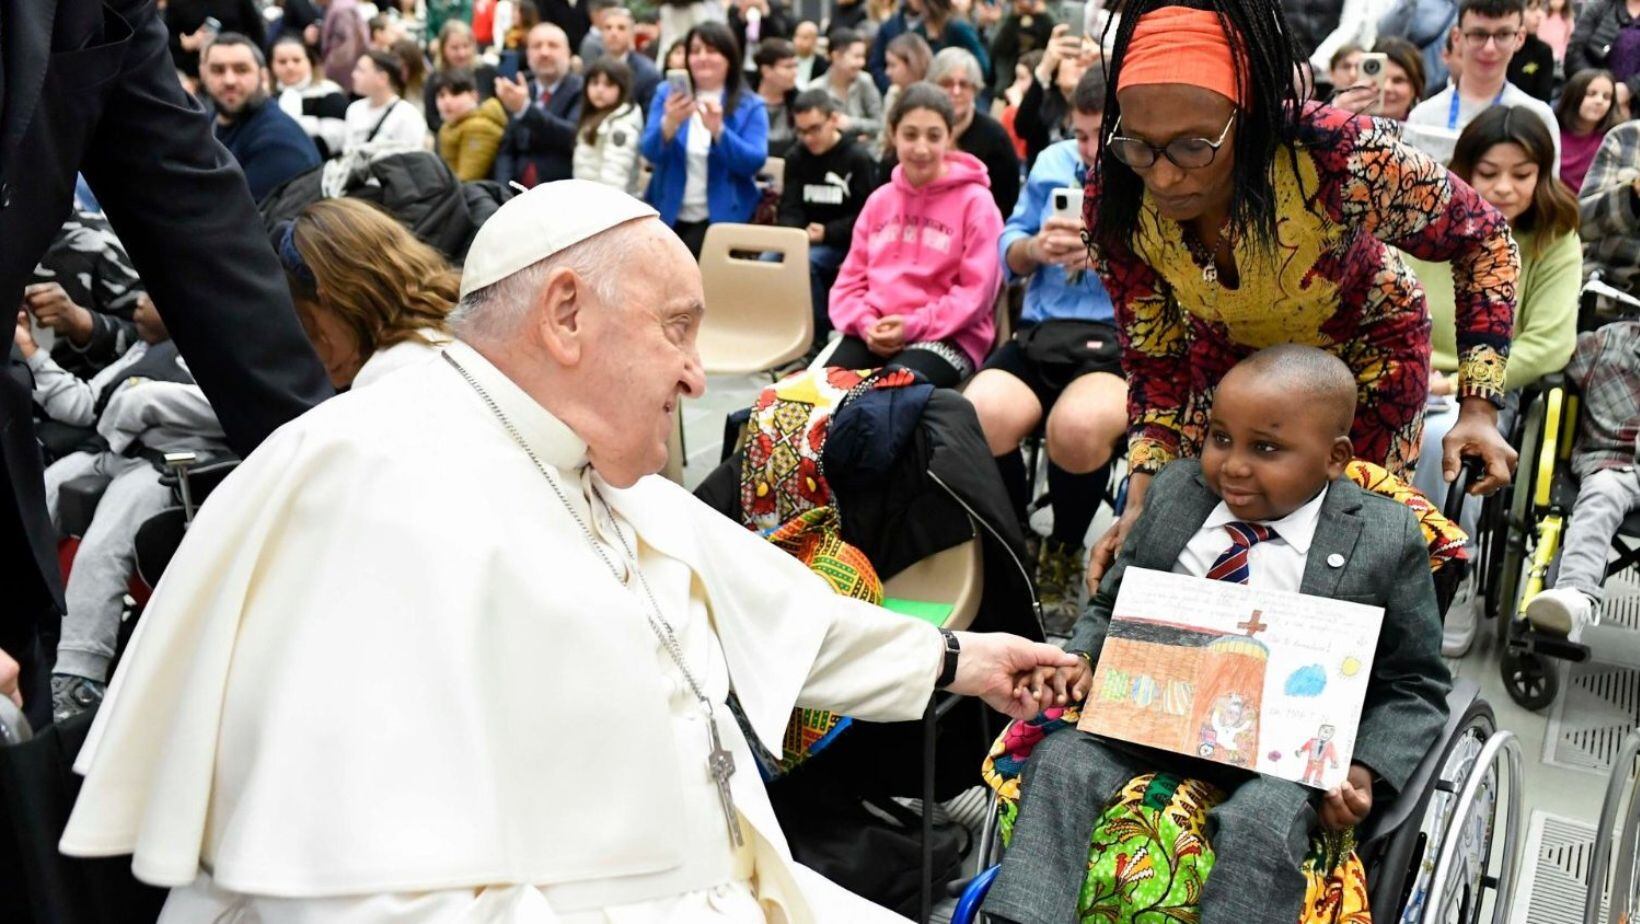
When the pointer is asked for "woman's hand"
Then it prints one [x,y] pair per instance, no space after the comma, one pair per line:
[1476,434]
[679,107]
[711,116]
[1361,99]
[1105,549]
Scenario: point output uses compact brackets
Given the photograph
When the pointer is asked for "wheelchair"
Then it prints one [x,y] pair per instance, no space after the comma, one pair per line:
[190,478]
[1522,526]
[1429,855]
[1621,789]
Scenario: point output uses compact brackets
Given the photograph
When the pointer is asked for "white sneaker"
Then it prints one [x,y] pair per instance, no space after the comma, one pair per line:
[1562,611]
[1459,631]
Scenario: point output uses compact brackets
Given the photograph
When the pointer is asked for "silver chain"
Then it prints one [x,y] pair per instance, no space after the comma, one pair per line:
[657,620]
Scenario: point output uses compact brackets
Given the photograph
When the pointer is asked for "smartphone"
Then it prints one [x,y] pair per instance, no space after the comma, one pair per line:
[1372,71]
[213,24]
[678,80]
[1066,202]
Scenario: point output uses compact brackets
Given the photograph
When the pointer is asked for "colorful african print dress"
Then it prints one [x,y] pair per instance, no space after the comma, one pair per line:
[1333,281]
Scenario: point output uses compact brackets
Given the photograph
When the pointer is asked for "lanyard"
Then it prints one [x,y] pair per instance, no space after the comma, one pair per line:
[1452,111]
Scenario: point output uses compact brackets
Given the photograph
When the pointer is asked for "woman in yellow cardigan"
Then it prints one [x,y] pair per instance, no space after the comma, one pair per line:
[1507,155]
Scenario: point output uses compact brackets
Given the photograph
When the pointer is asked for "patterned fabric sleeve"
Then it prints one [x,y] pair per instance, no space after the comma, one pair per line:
[1406,199]
[1155,340]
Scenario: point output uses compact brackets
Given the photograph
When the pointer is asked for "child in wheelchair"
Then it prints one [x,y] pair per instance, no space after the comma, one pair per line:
[1606,369]
[143,405]
[1266,506]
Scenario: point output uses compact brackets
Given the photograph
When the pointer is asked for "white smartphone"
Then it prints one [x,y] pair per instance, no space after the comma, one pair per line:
[1066,202]
[1372,71]
[678,80]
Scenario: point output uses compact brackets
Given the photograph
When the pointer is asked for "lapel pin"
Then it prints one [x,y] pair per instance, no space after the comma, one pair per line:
[1335,560]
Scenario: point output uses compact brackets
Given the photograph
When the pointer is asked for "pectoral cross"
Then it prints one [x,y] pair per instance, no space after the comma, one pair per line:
[721,764]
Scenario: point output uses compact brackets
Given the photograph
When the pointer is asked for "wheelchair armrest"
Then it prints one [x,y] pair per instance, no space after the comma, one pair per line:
[202,479]
[1409,801]
[77,500]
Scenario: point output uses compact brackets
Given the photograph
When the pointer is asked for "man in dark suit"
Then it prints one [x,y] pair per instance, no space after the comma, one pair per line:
[1266,506]
[617,43]
[88,85]
[539,145]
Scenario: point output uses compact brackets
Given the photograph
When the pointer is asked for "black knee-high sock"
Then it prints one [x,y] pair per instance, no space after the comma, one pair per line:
[1012,466]
[1075,501]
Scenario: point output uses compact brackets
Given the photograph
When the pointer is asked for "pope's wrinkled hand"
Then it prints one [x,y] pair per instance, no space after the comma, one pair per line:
[999,669]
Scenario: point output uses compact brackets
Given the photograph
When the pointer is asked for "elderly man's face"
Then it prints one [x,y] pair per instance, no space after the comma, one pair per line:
[641,357]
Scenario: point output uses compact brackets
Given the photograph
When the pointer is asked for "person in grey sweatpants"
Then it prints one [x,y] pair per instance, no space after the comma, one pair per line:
[143,404]
[1606,367]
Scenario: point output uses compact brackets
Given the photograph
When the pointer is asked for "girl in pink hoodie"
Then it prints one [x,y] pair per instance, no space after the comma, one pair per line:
[919,284]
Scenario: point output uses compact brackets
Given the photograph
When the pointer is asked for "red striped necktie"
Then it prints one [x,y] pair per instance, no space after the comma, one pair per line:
[1232,564]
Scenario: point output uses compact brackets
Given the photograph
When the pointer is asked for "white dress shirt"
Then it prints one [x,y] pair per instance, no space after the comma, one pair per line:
[699,148]
[1276,563]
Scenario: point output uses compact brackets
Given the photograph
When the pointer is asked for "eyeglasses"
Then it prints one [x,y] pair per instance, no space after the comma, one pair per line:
[951,86]
[1477,39]
[811,131]
[1185,153]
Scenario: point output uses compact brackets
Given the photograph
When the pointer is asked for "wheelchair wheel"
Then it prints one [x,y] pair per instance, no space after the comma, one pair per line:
[1530,679]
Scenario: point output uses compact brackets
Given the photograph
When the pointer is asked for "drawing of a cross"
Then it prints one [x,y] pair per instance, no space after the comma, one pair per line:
[1253,625]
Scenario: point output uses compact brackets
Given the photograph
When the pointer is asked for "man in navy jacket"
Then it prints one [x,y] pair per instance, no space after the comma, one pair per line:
[271,147]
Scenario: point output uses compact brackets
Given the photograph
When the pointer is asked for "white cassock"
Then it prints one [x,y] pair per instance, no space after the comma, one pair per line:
[388,678]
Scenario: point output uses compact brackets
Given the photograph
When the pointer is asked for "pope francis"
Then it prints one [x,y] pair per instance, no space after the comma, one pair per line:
[442,649]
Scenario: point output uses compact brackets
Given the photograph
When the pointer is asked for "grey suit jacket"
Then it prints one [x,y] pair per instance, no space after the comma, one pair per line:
[1385,564]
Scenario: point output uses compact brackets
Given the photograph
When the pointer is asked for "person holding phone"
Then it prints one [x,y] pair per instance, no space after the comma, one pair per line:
[1230,213]
[1044,115]
[1389,88]
[707,136]
[1064,361]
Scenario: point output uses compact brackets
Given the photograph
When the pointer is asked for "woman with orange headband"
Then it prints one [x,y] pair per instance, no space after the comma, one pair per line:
[1230,213]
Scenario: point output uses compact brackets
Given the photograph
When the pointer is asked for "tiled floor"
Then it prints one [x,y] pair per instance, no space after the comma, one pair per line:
[1563,793]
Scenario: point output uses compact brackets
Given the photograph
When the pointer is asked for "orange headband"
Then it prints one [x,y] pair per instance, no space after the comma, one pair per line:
[1179,45]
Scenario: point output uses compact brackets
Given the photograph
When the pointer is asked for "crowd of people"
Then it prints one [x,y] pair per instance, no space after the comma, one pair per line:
[1148,196]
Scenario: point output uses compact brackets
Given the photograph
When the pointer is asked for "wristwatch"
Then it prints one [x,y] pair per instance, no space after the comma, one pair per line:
[948,671]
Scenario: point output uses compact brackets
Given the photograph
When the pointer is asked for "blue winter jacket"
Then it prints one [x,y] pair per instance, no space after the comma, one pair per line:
[731,166]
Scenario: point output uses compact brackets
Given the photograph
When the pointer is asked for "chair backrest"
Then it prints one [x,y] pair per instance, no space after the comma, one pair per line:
[954,576]
[758,311]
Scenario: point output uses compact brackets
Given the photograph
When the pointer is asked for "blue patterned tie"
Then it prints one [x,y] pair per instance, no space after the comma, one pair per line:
[1232,564]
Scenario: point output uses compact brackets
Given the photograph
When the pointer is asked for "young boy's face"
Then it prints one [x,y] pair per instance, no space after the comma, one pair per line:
[1267,453]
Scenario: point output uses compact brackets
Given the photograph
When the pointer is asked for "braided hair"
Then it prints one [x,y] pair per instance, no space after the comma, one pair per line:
[1268,120]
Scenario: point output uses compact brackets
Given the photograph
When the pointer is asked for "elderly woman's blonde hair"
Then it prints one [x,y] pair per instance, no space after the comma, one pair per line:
[371,273]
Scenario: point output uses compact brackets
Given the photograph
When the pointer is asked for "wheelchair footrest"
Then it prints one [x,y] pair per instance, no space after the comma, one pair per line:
[1549,646]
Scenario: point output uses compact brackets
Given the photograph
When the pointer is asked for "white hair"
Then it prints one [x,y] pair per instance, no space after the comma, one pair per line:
[494,313]
[956,59]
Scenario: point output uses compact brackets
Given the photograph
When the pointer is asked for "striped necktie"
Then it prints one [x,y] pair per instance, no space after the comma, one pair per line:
[1232,564]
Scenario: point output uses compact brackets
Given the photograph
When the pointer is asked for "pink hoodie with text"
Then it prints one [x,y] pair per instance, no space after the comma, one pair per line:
[927,254]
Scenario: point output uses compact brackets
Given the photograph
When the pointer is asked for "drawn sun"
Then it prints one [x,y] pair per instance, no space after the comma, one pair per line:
[1350,667]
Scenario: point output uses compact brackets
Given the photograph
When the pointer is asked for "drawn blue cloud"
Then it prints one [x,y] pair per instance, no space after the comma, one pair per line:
[1309,680]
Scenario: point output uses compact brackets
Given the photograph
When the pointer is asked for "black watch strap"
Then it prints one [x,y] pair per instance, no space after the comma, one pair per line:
[948,670]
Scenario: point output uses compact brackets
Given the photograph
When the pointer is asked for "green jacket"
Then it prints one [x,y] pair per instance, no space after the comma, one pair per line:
[1545,310]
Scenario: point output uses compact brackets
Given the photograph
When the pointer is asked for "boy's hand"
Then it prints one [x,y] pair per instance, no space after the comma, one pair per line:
[1063,686]
[1347,804]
